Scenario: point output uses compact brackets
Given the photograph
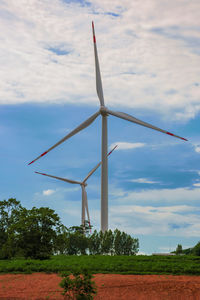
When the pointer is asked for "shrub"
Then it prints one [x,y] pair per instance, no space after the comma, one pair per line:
[78,285]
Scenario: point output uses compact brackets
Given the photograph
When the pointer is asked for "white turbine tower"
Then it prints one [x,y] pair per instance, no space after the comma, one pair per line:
[83,185]
[104,112]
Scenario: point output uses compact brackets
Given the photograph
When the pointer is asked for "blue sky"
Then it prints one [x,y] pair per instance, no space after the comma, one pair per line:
[149,58]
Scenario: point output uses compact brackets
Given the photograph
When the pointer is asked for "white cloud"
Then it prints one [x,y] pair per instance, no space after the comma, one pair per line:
[138,69]
[61,193]
[143,180]
[48,192]
[141,253]
[176,220]
[197,184]
[126,145]
[185,195]
[164,212]
[193,170]
[197,149]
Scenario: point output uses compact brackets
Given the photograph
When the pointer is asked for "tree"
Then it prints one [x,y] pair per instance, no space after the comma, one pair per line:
[117,242]
[196,249]
[29,233]
[36,232]
[179,249]
[131,245]
[187,251]
[107,242]
[94,243]
[9,215]
[77,240]
[124,244]
[60,241]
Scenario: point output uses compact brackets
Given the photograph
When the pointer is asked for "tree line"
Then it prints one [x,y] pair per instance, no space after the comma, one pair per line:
[38,233]
[189,251]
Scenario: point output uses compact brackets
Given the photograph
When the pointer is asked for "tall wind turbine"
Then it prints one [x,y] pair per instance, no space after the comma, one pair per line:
[83,185]
[104,112]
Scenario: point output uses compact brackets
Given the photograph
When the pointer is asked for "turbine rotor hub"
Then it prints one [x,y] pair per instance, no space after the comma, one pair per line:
[103,111]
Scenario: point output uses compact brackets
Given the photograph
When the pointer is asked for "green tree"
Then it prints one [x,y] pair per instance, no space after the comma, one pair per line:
[187,251]
[94,243]
[196,249]
[72,241]
[77,240]
[29,233]
[36,232]
[117,242]
[61,241]
[9,215]
[131,245]
[107,242]
[124,244]
[179,249]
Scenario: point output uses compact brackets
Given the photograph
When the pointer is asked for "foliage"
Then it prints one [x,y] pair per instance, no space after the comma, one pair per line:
[187,251]
[107,239]
[124,244]
[78,285]
[28,233]
[179,249]
[71,241]
[114,243]
[9,215]
[196,249]
[77,241]
[94,243]
[38,233]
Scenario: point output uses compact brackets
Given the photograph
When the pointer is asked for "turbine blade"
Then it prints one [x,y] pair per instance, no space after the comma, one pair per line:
[91,172]
[73,132]
[97,69]
[86,204]
[60,178]
[112,149]
[139,122]
[97,166]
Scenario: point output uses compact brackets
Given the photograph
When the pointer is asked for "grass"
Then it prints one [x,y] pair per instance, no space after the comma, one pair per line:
[176,265]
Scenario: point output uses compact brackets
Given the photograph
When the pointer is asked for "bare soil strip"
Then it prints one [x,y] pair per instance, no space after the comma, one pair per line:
[40,286]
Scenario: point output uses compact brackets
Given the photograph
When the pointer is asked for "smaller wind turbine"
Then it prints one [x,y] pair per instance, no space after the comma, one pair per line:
[83,185]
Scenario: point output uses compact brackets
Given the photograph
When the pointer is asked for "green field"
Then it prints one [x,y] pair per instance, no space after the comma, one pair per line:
[177,265]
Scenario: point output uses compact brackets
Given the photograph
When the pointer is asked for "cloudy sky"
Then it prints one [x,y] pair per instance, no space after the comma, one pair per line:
[149,53]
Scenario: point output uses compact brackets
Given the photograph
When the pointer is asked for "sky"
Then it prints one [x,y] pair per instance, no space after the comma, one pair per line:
[149,53]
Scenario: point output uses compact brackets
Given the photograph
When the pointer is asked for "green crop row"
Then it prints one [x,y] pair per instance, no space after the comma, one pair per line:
[177,265]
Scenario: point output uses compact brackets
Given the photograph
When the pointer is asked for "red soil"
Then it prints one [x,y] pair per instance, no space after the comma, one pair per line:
[110,287]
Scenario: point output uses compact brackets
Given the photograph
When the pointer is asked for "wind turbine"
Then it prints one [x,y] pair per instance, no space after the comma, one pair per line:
[83,185]
[104,112]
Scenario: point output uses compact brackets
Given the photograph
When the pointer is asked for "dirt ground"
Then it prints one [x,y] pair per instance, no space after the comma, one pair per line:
[110,286]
